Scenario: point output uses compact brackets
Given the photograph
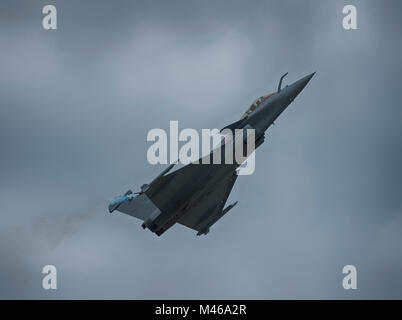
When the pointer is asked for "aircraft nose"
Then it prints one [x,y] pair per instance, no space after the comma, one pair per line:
[295,88]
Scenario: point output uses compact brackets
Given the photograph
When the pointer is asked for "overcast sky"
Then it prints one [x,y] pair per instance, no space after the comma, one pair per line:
[76,105]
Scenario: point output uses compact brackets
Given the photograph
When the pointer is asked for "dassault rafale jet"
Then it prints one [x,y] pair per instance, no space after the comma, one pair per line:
[195,195]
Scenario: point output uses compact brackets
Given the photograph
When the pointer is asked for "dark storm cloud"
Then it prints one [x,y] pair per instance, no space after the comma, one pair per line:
[77,103]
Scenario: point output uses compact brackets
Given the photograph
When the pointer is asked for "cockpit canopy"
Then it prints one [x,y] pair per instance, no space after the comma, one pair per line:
[255,104]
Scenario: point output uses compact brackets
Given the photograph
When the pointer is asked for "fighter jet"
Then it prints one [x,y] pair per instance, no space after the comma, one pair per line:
[195,195]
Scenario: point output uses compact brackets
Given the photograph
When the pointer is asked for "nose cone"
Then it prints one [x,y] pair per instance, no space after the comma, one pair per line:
[295,88]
